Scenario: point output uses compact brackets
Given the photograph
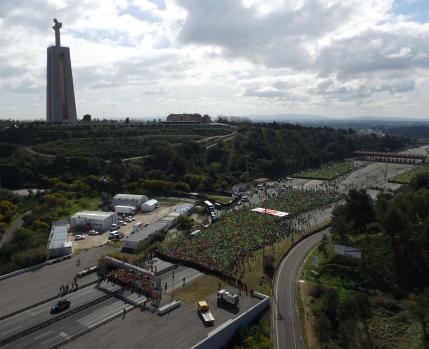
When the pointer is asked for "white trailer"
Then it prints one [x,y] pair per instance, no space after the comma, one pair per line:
[149,205]
[229,298]
[125,209]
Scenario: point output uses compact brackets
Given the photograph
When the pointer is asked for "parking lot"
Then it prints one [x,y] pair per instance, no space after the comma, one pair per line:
[103,237]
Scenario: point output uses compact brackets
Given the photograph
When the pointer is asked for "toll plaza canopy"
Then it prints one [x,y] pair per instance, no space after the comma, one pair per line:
[270,212]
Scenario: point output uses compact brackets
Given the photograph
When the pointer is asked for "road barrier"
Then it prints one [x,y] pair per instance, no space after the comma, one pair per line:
[34,267]
[169,307]
[221,335]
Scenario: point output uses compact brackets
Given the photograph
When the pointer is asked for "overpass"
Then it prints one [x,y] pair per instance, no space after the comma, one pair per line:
[398,158]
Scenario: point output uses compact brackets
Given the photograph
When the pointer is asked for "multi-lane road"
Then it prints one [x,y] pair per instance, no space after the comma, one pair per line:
[90,306]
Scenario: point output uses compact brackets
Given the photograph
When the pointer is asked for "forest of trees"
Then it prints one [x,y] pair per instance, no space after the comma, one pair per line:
[391,279]
[269,150]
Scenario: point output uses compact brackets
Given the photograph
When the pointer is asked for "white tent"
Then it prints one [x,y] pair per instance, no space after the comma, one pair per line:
[149,205]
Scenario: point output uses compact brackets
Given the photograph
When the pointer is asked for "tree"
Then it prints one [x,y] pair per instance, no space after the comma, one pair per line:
[420,310]
[323,328]
[268,263]
[359,209]
[185,223]
[323,246]
[86,118]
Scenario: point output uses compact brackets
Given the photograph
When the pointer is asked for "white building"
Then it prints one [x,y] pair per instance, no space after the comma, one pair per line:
[129,200]
[58,245]
[140,234]
[149,205]
[93,220]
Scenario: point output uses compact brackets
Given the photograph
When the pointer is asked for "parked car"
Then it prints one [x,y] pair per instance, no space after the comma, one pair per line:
[61,305]
[116,235]
[79,237]
[113,227]
[128,219]
[93,232]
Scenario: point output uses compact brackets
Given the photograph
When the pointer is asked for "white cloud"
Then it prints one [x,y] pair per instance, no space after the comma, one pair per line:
[151,57]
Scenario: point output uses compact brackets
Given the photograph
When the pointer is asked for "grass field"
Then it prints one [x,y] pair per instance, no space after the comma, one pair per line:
[108,147]
[220,198]
[199,289]
[328,172]
[406,177]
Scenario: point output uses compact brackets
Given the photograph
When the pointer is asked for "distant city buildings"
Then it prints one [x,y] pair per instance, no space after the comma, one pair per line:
[196,118]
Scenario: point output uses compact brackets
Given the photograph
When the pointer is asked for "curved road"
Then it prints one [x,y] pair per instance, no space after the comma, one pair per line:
[286,332]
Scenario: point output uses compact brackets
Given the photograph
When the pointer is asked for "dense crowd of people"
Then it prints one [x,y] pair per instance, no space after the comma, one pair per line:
[224,247]
[134,282]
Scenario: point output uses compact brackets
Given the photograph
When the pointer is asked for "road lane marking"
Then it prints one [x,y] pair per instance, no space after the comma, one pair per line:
[64,335]
[43,334]
[11,330]
[50,340]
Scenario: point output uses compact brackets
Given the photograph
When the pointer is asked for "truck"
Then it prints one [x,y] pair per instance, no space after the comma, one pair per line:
[128,210]
[228,298]
[205,313]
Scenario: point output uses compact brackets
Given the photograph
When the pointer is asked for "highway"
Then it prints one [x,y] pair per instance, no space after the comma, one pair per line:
[109,306]
[78,323]
[285,319]
[41,313]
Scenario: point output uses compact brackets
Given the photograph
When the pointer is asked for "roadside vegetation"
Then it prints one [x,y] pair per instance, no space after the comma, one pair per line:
[256,335]
[382,299]
[408,176]
[329,171]
[28,244]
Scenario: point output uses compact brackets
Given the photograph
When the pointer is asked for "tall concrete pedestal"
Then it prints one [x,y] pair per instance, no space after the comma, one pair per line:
[60,101]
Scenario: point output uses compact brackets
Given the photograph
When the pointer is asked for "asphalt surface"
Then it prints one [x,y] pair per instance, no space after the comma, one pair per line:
[180,329]
[41,313]
[85,319]
[78,323]
[35,286]
[285,317]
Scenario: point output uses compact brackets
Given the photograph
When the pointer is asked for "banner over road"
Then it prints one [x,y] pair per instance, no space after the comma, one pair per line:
[270,212]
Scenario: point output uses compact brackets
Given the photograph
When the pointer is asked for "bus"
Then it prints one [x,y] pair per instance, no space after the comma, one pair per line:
[209,205]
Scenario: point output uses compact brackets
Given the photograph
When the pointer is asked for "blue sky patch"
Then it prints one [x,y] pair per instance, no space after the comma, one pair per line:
[418,10]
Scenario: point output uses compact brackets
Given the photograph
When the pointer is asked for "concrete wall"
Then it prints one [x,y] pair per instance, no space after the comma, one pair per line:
[221,335]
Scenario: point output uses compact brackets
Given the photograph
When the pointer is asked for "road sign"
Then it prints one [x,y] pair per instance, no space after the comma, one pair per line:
[315,261]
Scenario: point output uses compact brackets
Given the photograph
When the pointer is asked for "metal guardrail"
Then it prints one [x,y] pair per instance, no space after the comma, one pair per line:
[43,302]
[54,320]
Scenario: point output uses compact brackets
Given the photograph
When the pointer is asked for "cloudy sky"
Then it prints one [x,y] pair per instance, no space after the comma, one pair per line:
[340,58]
